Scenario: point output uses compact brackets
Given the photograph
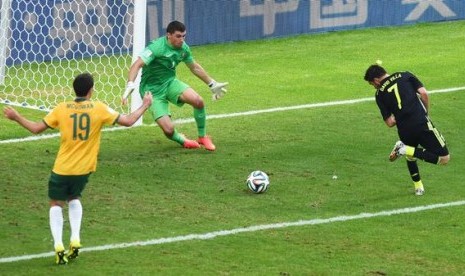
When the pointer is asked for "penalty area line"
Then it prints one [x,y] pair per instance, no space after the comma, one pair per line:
[229,115]
[221,233]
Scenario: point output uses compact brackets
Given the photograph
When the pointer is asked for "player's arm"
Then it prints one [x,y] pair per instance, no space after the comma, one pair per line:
[130,119]
[134,70]
[132,75]
[199,72]
[218,88]
[424,98]
[420,89]
[390,121]
[34,127]
[386,114]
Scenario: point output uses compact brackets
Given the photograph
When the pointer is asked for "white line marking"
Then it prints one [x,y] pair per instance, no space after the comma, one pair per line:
[221,116]
[212,235]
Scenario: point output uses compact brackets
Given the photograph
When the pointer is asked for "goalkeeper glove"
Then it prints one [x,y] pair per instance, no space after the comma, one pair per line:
[218,89]
[130,86]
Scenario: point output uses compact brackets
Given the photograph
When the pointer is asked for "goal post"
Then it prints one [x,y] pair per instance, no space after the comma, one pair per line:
[4,20]
[140,19]
[45,44]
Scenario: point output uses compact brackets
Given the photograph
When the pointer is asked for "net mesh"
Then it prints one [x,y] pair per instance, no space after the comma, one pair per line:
[48,43]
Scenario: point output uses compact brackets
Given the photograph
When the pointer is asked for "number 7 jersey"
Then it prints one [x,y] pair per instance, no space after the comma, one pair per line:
[398,95]
[80,123]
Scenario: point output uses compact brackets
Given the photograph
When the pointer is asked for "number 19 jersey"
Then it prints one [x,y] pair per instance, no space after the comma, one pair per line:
[80,123]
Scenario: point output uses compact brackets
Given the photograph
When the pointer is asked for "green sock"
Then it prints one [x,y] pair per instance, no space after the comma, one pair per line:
[178,138]
[200,119]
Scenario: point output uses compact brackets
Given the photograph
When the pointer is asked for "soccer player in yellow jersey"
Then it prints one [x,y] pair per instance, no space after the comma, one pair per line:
[80,123]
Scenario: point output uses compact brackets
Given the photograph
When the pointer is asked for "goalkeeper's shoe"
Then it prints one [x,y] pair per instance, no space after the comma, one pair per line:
[73,252]
[206,141]
[397,151]
[190,144]
[60,257]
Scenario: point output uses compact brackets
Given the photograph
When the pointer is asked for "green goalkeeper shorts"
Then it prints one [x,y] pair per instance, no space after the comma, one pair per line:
[65,187]
[164,94]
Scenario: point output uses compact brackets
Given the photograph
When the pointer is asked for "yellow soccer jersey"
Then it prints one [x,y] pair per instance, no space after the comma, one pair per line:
[80,123]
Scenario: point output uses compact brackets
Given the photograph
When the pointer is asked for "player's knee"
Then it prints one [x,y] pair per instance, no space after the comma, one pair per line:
[443,160]
[198,103]
[55,202]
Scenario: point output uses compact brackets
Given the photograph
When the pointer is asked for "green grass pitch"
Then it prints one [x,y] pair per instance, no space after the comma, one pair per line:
[147,188]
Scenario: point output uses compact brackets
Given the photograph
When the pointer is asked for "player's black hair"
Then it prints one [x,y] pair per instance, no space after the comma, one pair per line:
[374,71]
[174,26]
[82,84]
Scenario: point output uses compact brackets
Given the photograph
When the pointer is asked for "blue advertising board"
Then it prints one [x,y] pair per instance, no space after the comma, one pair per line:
[221,21]
[67,29]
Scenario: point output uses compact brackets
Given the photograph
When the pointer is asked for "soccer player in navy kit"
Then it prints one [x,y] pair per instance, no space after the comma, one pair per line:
[404,102]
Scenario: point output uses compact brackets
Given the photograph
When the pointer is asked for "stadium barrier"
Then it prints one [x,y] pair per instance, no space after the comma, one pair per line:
[44,44]
[208,21]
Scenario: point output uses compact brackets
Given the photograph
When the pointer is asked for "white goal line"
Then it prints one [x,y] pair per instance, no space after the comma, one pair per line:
[237,114]
[221,233]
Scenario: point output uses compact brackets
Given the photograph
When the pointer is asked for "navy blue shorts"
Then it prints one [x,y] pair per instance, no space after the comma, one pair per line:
[427,136]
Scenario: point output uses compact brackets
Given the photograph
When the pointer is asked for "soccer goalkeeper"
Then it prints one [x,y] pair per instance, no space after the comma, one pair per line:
[158,62]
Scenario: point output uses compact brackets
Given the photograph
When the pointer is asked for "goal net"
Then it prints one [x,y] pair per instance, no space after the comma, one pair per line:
[45,44]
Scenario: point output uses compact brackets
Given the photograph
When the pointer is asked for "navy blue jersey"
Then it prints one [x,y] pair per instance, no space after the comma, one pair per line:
[398,96]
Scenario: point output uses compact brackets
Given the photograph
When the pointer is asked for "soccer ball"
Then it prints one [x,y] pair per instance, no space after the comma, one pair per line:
[258,182]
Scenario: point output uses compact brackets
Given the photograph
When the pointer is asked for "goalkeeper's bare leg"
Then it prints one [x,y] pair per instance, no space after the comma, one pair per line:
[191,97]
[171,133]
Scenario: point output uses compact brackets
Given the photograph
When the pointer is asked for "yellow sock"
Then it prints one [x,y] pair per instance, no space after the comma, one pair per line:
[418,184]
[59,247]
[409,151]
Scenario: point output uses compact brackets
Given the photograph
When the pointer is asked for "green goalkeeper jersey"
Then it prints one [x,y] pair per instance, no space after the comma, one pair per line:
[160,60]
